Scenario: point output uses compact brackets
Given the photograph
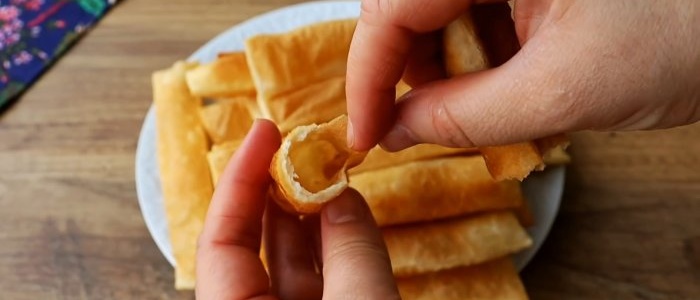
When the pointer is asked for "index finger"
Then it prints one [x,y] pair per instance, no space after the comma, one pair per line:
[228,264]
[377,58]
[236,209]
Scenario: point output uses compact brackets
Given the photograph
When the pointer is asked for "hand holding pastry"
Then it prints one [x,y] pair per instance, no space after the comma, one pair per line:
[601,65]
[353,258]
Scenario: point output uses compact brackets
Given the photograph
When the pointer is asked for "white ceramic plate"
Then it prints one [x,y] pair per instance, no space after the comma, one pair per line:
[543,190]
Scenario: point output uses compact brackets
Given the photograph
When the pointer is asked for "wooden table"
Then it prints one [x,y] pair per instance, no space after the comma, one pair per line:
[71,228]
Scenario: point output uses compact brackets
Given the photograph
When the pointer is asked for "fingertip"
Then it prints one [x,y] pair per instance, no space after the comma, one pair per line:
[291,256]
[265,127]
[346,208]
[255,152]
[398,138]
[376,62]
[369,126]
[353,250]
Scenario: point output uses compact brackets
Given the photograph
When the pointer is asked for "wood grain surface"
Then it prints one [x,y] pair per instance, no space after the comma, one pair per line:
[71,228]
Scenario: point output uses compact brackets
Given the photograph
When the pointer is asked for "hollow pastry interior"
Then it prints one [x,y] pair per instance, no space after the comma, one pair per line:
[311,166]
[318,161]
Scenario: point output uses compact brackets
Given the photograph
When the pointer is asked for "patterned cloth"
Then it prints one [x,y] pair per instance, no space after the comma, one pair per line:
[34,33]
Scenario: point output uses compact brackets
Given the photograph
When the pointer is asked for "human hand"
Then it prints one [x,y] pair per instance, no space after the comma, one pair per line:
[355,263]
[587,64]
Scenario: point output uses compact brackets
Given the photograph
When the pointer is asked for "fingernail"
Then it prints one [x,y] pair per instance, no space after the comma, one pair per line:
[344,209]
[398,138]
[350,135]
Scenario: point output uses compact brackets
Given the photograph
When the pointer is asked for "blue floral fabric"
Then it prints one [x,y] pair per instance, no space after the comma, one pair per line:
[34,33]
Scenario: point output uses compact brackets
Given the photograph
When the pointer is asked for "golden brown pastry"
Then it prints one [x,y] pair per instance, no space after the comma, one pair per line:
[227,120]
[524,214]
[462,49]
[514,161]
[184,173]
[556,156]
[402,88]
[310,168]
[226,77]
[553,149]
[434,189]
[315,103]
[218,158]
[496,279]
[283,62]
[378,158]
[430,247]
[284,65]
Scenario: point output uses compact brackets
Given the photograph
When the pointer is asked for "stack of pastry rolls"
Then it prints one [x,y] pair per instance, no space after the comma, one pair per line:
[446,221]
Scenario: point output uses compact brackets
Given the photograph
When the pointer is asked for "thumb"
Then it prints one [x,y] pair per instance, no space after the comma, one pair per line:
[587,71]
[511,103]
[355,259]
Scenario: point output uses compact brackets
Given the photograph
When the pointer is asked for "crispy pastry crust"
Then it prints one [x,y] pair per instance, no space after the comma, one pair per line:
[434,189]
[443,245]
[497,279]
[184,173]
[293,165]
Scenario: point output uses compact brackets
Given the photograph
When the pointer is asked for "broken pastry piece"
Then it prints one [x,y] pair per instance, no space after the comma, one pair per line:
[553,149]
[514,161]
[310,168]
